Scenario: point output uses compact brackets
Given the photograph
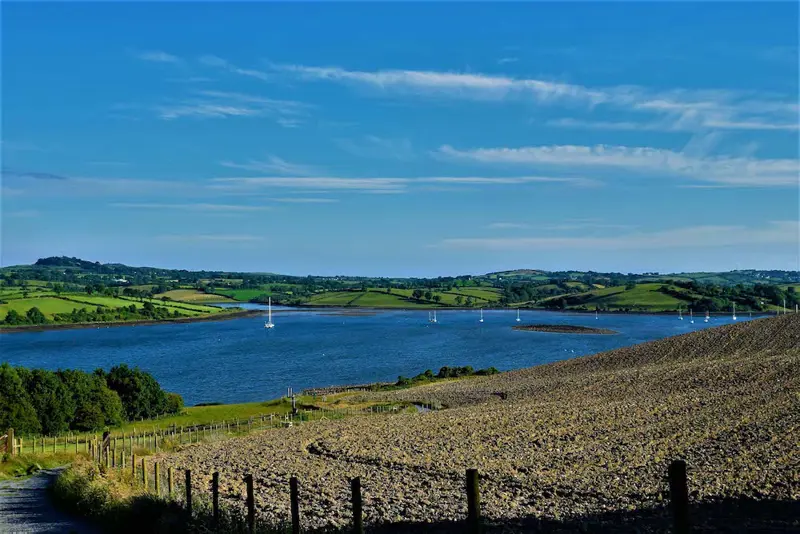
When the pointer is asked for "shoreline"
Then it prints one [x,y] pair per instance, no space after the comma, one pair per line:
[220,316]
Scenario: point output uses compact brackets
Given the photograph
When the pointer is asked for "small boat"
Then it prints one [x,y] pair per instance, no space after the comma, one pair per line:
[680,315]
[734,312]
[518,319]
[707,317]
[481,320]
[269,323]
[434,317]
[691,317]
[596,316]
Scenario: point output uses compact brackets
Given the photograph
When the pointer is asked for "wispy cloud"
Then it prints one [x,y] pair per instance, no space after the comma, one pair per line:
[220,104]
[777,232]
[190,207]
[216,238]
[314,183]
[741,171]
[10,173]
[506,60]
[157,56]
[379,185]
[22,214]
[304,200]
[371,146]
[218,62]
[274,165]
[677,109]
[507,226]
[109,163]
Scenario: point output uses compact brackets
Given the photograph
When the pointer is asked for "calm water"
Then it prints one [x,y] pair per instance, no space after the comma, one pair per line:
[238,360]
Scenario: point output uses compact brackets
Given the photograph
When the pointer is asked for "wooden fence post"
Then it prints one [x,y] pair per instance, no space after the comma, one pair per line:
[189,493]
[679,496]
[133,467]
[358,514]
[251,505]
[473,501]
[295,506]
[215,498]
[144,474]
[156,473]
[169,481]
[10,442]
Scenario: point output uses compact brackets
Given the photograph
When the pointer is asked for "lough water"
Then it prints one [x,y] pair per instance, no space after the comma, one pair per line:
[239,360]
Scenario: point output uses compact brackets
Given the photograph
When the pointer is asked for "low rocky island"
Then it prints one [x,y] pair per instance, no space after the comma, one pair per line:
[564,329]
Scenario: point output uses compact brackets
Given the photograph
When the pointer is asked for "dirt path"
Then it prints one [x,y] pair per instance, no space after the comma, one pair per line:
[26,507]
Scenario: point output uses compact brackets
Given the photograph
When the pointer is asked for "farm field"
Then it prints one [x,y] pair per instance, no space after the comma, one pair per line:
[572,443]
[334,298]
[385,300]
[193,296]
[242,295]
[47,305]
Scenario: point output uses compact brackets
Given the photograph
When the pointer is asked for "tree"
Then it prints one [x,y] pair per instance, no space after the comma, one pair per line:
[139,392]
[428,295]
[54,406]
[459,300]
[470,302]
[13,317]
[416,294]
[35,316]
[437,298]
[16,410]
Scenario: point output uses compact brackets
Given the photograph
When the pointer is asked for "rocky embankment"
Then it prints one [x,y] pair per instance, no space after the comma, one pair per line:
[570,445]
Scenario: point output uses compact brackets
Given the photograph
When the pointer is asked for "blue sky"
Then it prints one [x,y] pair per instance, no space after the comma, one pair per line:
[402,139]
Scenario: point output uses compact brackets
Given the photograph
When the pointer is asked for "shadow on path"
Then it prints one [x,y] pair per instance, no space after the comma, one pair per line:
[25,507]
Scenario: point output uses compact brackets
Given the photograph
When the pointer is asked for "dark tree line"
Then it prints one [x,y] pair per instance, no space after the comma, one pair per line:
[37,401]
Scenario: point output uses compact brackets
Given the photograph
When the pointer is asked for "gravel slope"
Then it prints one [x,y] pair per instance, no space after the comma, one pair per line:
[572,441]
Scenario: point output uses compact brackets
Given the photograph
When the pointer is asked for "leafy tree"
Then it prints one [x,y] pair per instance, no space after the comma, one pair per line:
[35,316]
[459,299]
[174,403]
[470,302]
[417,294]
[13,317]
[428,295]
[140,393]
[16,410]
[437,298]
[55,407]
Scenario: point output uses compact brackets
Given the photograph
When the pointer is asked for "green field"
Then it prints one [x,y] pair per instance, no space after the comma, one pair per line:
[48,305]
[385,300]
[193,296]
[334,298]
[643,296]
[242,295]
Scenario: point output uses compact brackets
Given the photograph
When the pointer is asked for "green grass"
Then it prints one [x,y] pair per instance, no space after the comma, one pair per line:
[48,305]
[642,296]
[385,300]
[193,296]
[242,295]
[23,464]
[334,298]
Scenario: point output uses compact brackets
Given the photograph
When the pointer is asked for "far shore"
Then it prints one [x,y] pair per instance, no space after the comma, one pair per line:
[220,316]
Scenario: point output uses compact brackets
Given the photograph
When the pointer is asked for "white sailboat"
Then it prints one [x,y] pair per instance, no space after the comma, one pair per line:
[691,316]
[518,319]
[434,317]
[680,315]
[269,323]
[596,315]
[734,312]
[481,320]
[707,317]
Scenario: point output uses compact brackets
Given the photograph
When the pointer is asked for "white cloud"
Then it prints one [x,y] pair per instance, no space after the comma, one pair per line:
[274,165]
[376,185]
[505,60]
[190,207]
[741,171]
[158,56]
[507,226]
[678,109]
[463,85]
[315,183]
[304,200]
[211,238]
[221,104]
[218,62]
[777,232]
[371,146]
